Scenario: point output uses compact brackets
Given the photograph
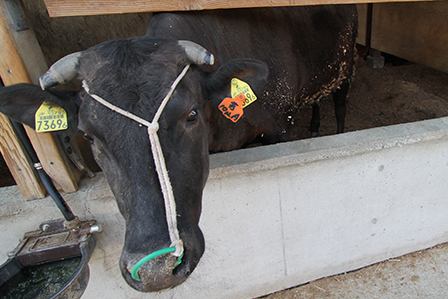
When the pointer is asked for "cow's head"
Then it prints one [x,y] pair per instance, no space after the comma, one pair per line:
[135,75]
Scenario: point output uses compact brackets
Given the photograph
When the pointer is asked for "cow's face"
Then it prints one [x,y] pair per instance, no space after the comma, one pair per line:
[122,148]
[136,75]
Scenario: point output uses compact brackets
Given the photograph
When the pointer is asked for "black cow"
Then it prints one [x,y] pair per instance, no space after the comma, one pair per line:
[290,57]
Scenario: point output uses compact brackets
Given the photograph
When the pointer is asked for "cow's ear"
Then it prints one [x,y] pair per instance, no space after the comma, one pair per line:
[21,101]
[253,72]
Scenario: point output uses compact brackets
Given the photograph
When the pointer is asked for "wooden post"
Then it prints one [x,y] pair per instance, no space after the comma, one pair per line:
[21,60]
[63,8]
[11,70]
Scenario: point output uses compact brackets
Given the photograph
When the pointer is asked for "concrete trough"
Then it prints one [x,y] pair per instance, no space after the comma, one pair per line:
[279,216]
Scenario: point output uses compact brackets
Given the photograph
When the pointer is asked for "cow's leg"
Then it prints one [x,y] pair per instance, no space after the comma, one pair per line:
[315,121]
[339,98]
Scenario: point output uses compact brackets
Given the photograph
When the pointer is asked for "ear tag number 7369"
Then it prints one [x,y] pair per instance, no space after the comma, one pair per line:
[50,118]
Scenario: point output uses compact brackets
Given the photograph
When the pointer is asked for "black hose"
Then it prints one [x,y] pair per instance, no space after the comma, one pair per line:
[48,183]
[369,29]
[57,198]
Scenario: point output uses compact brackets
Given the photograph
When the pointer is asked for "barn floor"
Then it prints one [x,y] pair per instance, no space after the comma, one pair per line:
[423,274]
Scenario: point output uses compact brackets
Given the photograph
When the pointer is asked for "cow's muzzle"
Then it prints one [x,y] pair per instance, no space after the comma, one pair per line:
[159,273]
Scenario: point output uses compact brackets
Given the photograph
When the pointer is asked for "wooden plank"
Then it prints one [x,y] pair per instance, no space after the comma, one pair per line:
[54,161]
[20,168]
[21,54]
[61,8]
[362,24]
[416,31]
[11,70]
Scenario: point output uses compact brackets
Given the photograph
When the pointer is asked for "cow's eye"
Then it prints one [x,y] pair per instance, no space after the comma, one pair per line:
[88,138]
[192,116]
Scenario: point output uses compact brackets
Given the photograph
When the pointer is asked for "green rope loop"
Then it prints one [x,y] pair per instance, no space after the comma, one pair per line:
[149,257]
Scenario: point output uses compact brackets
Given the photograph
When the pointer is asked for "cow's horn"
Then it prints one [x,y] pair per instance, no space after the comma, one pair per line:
[61,71]
[196,53]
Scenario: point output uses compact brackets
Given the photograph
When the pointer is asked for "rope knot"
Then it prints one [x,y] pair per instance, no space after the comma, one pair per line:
[179,245]
[153,128]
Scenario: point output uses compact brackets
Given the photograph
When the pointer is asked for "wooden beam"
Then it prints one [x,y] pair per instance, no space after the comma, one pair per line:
[19,53]
[64,8]
[11,70]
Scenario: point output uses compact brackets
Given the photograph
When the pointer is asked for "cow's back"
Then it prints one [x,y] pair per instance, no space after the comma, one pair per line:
[309,49]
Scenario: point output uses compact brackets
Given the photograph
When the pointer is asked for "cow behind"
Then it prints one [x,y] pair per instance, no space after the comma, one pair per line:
[290,57]
[309,51]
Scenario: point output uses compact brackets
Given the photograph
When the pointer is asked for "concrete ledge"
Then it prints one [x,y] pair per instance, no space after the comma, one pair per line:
[309,150]
[278,216]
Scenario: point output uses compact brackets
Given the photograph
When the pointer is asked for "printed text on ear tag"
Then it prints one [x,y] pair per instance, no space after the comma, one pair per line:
[232,108]
[240,87]
[50,118]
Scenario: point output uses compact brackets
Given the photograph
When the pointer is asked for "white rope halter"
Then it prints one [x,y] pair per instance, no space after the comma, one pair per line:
[159,160]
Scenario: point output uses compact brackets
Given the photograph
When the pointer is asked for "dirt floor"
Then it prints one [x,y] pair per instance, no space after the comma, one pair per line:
[378,97]
[420,274]
[382,97]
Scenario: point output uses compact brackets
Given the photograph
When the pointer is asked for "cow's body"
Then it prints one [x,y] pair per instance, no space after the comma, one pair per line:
[309,51]
[289,56]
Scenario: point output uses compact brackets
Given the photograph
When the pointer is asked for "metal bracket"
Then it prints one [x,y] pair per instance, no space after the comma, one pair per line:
[53,242]
[17,14]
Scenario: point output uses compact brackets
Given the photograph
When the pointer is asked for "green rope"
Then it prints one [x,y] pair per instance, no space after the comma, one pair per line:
[149,257]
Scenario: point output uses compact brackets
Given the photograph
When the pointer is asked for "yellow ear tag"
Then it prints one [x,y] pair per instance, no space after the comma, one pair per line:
[238,87]
[50,118]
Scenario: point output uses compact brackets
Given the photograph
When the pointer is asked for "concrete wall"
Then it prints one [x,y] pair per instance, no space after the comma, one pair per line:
[278,216]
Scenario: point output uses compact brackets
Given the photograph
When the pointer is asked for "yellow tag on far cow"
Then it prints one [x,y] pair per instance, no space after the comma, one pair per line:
[238,87]
[50,118]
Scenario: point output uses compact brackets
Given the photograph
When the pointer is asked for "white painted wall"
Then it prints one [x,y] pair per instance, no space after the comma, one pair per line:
[278,216]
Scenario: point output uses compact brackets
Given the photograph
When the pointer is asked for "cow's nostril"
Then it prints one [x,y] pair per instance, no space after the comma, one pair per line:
[156,274]
[159,253]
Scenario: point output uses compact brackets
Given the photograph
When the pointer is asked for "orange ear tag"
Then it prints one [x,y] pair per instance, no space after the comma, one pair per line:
[232,108]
